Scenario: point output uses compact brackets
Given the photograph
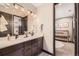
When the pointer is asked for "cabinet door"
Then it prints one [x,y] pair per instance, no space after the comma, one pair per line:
[18,52]
[34,51]
[35,47]
[40,45]
[28,52]
[0,54]
[27,49]
[15,50]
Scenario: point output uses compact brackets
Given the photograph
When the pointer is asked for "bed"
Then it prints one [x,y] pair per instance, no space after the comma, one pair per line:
[62,35]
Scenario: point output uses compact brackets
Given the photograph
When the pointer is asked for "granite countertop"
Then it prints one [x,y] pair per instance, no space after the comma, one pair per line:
[6,43]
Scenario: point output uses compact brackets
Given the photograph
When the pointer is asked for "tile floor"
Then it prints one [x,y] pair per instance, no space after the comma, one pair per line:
[66,50]
[44,54]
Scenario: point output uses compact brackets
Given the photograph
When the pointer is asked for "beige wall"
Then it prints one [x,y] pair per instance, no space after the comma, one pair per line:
[45,17]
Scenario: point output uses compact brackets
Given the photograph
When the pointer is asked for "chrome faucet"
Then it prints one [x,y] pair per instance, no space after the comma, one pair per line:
[8,36]
[16,36]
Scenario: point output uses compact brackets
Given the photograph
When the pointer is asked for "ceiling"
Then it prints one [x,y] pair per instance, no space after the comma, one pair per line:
[37,4]
[11,9]
[18,9]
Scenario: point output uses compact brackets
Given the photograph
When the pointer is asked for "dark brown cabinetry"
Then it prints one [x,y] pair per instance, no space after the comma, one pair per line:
[34,47]
[13,50]
[28,48]
[18,52]
[40,45]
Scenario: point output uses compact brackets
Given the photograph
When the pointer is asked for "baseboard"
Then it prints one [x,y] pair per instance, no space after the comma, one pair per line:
[48,52]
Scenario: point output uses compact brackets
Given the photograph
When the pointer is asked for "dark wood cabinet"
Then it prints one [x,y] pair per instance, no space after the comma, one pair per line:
[34,51]
[13,50]
[40,45]
[34,47]
[28,48]
[18,52]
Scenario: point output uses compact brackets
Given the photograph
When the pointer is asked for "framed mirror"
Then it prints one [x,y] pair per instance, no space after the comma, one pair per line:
[12,24]
[5,24]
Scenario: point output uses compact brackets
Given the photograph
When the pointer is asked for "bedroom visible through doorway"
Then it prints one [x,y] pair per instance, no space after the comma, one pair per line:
[64,29]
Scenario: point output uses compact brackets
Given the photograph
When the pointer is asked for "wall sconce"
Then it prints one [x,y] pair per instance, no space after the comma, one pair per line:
[32,14]
[28,12]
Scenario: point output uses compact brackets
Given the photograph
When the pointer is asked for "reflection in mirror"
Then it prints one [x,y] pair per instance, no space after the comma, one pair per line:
[13,21]
[64,29]
[5,24]
[23,28]
[17,24]
[13,25]
[20,25]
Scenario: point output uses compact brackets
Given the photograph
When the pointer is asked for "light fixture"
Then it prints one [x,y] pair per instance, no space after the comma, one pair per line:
[8,5]
[22,9]
[13,10]
[28,12]
[34,15]
[16,6]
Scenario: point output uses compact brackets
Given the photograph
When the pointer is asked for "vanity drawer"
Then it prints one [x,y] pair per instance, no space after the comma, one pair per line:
[18,52]
[11,49]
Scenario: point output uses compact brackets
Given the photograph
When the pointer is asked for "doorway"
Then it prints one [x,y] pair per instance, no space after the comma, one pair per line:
[64,24]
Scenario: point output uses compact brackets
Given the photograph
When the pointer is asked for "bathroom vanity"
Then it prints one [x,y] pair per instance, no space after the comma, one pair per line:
[28,46]
[17,38]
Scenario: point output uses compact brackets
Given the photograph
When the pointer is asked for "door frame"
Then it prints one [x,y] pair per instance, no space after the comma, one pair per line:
[76,44]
